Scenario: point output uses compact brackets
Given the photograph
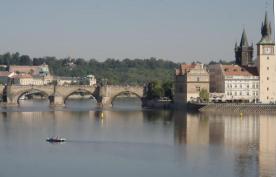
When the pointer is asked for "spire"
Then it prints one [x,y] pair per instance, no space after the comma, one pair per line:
[244,40]
[265,26]
[266,31]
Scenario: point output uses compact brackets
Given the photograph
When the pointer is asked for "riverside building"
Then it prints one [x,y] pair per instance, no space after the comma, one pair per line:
[190,79]
[234,83]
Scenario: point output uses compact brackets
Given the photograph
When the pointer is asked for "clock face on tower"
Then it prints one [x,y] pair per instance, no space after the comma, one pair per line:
[267,50]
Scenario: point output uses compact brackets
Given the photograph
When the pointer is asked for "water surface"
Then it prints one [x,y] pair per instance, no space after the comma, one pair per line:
[130,141]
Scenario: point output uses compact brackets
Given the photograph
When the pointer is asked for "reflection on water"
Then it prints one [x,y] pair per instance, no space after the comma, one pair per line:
[135,142]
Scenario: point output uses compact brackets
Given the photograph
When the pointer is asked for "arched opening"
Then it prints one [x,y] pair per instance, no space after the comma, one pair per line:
[33,98]
[126,100]
[80,99]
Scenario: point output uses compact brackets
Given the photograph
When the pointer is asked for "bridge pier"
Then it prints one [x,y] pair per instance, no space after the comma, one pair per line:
[106,102]
[56,100]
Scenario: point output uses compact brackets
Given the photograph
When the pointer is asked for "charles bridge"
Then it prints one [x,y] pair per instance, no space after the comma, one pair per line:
[104,95]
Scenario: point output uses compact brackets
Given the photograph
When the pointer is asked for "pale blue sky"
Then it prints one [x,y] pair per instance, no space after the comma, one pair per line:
[177,30]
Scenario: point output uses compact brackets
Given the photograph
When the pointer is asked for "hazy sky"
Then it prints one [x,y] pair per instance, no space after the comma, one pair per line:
[178,30]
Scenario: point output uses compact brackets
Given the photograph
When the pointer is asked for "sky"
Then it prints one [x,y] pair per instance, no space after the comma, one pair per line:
[176,30]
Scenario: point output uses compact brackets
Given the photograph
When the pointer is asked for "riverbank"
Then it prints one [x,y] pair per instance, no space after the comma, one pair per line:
[232,107]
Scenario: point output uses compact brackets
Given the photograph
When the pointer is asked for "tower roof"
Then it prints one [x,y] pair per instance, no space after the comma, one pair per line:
[244,40]
[266,31]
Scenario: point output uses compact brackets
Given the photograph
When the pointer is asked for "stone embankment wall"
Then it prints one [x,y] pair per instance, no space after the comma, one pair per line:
[156,104]
[238,108]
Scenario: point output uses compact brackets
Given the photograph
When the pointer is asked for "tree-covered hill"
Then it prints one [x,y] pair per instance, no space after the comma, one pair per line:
[127,71]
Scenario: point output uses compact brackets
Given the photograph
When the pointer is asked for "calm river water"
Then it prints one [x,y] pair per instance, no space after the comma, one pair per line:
[131,142]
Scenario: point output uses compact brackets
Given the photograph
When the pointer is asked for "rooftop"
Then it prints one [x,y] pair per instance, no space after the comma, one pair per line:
[5,73]
[236,70]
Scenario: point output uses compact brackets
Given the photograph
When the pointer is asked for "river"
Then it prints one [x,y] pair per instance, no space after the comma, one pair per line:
[132,142]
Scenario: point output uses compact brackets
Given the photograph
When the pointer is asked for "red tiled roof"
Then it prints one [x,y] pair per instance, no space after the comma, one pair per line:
[235,70]
[184,68]
[5,73]
[21,76]
[23,68]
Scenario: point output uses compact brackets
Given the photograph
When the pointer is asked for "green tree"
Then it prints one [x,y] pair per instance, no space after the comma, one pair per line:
[204,95]
[167,87]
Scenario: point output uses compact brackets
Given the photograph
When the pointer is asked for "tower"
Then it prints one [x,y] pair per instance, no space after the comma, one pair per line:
[266,63]
[244,52]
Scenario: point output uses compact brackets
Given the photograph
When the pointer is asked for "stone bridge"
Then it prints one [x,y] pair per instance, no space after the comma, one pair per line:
[58,95]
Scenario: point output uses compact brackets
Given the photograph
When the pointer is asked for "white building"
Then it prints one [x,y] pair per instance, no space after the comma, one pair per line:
[232,83]
[91,80]
[5,77]
[27,79]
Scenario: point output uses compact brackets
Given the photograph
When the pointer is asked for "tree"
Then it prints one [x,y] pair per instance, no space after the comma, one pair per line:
[25,60]
[167,87]
[154,90]
[204,95]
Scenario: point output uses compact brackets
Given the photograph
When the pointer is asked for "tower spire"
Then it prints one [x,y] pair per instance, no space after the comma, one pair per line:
[244,40]
[266,31]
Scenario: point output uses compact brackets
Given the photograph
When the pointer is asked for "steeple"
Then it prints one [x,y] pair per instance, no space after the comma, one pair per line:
[244,40]
[266,31]
[244,52]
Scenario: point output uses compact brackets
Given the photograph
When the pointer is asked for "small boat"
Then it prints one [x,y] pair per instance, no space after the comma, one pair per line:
[55,140]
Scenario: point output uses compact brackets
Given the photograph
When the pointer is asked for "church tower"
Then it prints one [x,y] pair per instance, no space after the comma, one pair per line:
[244,52]
[266,63]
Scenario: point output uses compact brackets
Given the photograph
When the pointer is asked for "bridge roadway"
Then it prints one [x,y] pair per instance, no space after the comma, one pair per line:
[57,95]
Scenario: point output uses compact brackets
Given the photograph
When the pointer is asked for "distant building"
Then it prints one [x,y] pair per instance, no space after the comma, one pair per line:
[5,77]
[66,80]
[234,83]
[88,80]
[26,79]
[244,52]
[190,79]
[91,80]
[42,70]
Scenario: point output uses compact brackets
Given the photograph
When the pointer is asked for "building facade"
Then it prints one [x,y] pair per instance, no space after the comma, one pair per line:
[42,70]
[27,79]
[266,63]
[190,79]
[234,83]
[5,77]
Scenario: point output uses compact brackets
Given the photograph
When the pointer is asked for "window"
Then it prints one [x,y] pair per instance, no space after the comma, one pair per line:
[267,58]
[240,93]
[267,88]
[247,93]
[197,89]
[197,79]
[240,85]
[267,68]
[267,78]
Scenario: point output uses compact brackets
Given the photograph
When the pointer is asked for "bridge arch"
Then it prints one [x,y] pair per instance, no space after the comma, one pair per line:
[125,92]
[79,90]
[23,92]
